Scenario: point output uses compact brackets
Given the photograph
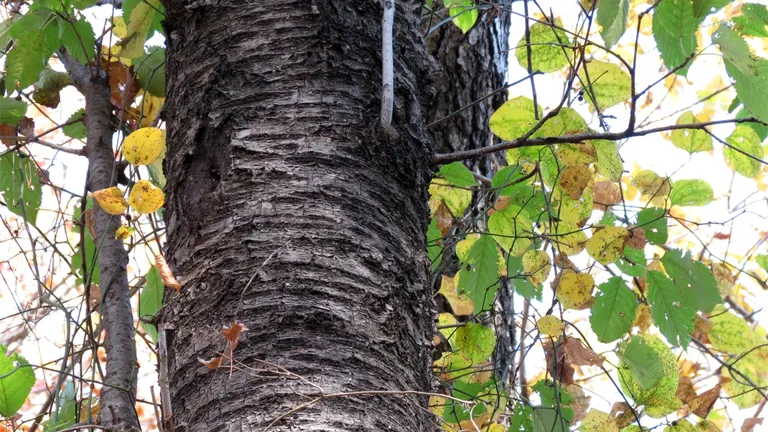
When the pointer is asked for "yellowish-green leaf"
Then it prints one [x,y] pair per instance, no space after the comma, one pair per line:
[536,265]
[143,146]
[691,193]
[568,238]
[475,341]
[139,25]
[574,154]
[145,197]
[111,200]
[607,244]
[463,13]
[550,325]
[457,199]
[461,304]
[449,322]
[598,421]
[654,187]
[123,232]
[744,151]
[574,289]
[550,48]
[512,229]
[605,83]
[659,399]
[567,121]
[691,140]
[575,211]
[608,161]
[514,118]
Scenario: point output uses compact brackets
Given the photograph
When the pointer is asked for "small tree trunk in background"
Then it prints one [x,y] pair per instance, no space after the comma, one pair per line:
[473,66]
[278,174]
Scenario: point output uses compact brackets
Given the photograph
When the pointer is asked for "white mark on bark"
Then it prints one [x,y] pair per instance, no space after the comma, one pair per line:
[387,63]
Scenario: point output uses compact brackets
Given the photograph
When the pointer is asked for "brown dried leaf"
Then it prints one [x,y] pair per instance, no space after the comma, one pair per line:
[501,203]
[443,219]
[637,239]
[213,363]
[622,414]
[564,370]
[702,404]
[750,423]
[94,295]
[574,179]
[8,131]
[122,83]
[232,333]
[578,354]
[685,391]
[27,127]
[166,275]
[579,401]
[605,193]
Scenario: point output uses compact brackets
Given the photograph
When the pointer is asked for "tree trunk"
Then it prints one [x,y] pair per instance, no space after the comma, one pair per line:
[474,68]
[290,211]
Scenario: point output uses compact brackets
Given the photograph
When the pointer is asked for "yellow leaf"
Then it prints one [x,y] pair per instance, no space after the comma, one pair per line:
[145,197]
[653,186]
[574,180]
[642,318]
[607,244]
[111,200]
[461,304]
[536,265]
[456,199]
[572,154]
[550,325]
[444,320]
[150,108]
[574,289]
[576,211]
[598,421]
[143,146]
[568,238]
[119,28]
[123,232]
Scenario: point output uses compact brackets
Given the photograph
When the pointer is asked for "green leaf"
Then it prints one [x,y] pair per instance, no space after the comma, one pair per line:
[703,8]
[78,39]
[632,262]
[463,13]
[753,21]
[76,130]
[691,140]
[48,87]
[151,300]
[693,280]
[458,174]
[612,16]
[5,27]
[434,244]
[761,129]
[550,50]
[691,193]
[654,222]
[90,251]
[762,261]
[17,379]
[514,118]
[567,121]
[674,29]
[20,185]
[519,279]
[475,342]
[511,229]
[522,418]
[744,148]
[749,72]
[36,38]
[480,282]
[606,83]
[65,414]
[643,363]
[613,311]
[11,110]
[150,71]
[608,161]
[140,21]
[506,180]
[672,315]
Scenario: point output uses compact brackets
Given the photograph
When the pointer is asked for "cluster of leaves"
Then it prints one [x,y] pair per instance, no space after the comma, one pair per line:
[528,222]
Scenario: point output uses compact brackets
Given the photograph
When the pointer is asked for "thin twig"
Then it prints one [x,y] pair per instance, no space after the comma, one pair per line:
[387,63]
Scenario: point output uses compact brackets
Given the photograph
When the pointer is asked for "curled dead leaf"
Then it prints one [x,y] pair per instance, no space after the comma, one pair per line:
[166,275]
[636,239]
[702,404]
[232,333]
[213,363]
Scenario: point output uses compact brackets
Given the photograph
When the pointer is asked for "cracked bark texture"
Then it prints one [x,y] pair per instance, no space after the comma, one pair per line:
[118,395]
[473,66]
[276,168]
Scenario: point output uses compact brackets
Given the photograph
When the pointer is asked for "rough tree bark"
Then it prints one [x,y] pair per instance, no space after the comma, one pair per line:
[277,172]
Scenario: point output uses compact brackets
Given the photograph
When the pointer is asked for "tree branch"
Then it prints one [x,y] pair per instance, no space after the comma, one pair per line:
[526,141]
[387,63]
[119,393]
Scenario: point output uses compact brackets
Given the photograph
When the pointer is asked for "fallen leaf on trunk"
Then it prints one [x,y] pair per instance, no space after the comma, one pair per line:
[213,363]
[166,275]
